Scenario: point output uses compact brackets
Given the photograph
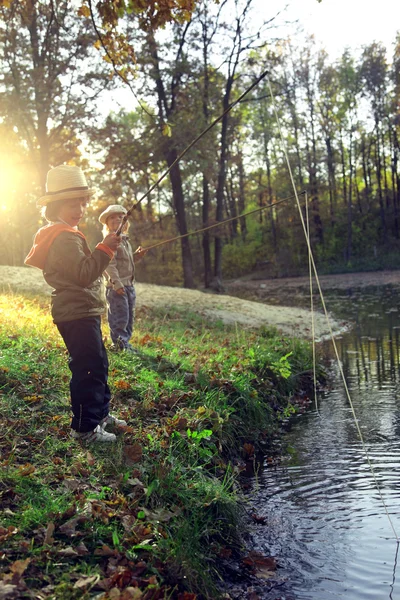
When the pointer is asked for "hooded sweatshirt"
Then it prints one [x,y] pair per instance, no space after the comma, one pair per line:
[72,270]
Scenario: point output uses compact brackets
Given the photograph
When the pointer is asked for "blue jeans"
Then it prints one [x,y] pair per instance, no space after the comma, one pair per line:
[121,315]
[88,363]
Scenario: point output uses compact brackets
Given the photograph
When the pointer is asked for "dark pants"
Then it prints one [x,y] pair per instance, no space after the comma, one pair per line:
[121,314]
[88,363]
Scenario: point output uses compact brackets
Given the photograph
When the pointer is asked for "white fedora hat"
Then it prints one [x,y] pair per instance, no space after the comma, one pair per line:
[65,182]
[112,210]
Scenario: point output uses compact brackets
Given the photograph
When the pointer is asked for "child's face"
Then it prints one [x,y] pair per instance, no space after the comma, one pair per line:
[72,211]
[114,221]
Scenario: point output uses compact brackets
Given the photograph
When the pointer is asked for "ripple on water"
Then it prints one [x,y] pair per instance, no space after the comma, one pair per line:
[325,520]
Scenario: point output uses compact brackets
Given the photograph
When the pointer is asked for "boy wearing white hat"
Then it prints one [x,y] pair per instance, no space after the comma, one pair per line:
[77,301]
[120,273]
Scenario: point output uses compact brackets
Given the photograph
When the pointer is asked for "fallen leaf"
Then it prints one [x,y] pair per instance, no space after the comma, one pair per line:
[7,532]
[263,566]
[258,519]
[72,484]
[8,591]
[162,514]
[90,459]
[26,470]
[81,549]
[248,449]
[68,552]
[86,582]
[135,482]
[105,551]
[69,528]
[131,593]
[48,538]
[133,452]
[18,568]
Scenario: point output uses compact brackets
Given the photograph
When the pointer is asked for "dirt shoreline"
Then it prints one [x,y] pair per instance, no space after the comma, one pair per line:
[293,322]
[327,282]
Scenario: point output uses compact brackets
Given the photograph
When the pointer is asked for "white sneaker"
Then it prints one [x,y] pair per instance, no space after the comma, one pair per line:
[97,435]
[111,420]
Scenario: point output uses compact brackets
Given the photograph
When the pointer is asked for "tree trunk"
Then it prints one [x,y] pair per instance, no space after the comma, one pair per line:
[350,202]
[220,187]
[171,154]
[180,215]
[206,234]
[331,179]
[241,199]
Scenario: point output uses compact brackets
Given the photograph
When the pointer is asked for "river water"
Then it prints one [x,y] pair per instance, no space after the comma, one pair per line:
[325,520]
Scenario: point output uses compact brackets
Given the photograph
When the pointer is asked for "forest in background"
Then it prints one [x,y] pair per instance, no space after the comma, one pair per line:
[340,122]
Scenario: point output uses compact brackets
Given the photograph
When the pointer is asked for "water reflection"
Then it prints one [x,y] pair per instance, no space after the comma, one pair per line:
[325,520]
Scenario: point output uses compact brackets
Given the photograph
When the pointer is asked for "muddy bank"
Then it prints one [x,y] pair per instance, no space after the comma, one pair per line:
[336,281]
[291,321]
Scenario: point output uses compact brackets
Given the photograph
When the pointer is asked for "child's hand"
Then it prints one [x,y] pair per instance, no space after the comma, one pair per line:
[112,241]
[120,291]
[140,252]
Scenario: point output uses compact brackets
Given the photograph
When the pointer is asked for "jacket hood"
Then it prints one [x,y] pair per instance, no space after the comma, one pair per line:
[42,242]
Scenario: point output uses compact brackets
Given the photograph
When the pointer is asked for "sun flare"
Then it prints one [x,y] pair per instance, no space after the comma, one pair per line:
[15,180]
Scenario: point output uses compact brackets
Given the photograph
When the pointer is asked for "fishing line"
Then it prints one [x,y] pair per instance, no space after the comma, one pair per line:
[219,223]
[182,154]
[394,572]
[314,359]
[311,257]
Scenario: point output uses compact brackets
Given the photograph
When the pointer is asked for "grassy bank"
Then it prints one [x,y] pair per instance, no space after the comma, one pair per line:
[150,515]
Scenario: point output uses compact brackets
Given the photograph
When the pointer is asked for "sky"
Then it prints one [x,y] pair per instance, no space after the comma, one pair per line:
[336,24]
[340,23]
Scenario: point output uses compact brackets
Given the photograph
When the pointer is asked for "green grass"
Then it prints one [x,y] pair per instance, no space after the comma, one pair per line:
[154,509]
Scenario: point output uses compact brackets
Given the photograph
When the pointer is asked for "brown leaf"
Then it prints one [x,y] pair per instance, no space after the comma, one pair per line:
[69,528]
[248,449]
[48,538]
[133,452]
[69,512]
[20,566]
[90,459]
[25,470]
[263,566]
[105,551]
[181,424]
[82,549]
[258,519]
[7,532]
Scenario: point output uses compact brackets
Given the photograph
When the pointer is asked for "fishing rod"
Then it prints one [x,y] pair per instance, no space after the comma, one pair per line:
[217,224]
[182,154]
